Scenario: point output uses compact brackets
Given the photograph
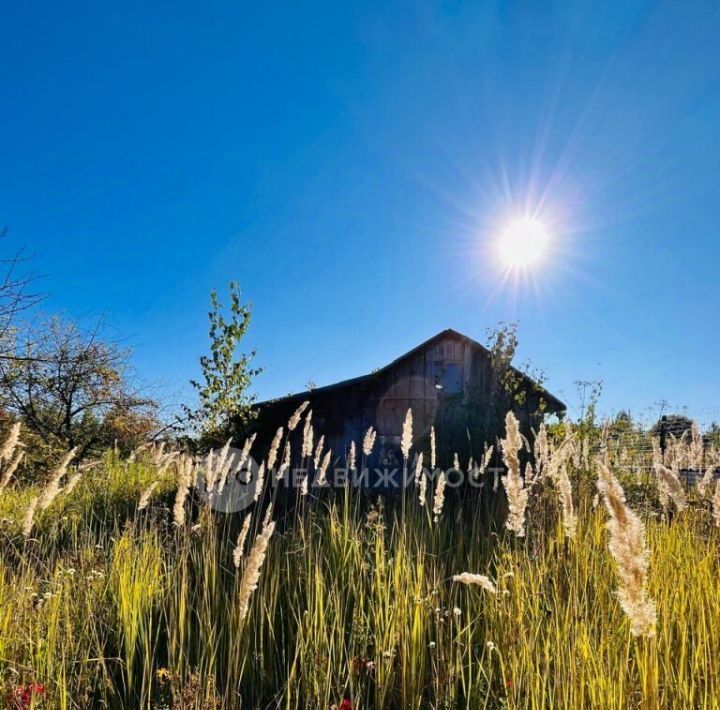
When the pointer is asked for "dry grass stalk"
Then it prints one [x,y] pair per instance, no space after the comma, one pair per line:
[295,418]
[422,488]
[406,441]
[285,465]
[418,467]
[72,482]
[439,499]
[369,441]
[245,453]
[513,483]
[53,486]
[251,573]
[222,468]
[209,473]
[274,448]
[561,481]
[629,549]
[479,579]
[242,536]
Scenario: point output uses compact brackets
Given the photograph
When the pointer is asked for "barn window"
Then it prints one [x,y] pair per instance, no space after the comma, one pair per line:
[448,377]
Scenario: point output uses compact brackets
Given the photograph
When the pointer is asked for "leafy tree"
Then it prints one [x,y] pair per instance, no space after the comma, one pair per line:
[223,398]
[72,388]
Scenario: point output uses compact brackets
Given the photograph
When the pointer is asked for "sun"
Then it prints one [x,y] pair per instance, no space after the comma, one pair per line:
[523,242]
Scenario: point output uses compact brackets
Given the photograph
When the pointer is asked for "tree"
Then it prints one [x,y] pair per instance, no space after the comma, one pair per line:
[223,398]
[71,387]
[14,294]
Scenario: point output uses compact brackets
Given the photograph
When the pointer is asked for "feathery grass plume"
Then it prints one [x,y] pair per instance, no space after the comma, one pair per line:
[251,573]
[716,504]
[30,516]
[561,480]
[285,465]
[479,579]
[11,443]
[513,483]
[669,486]
[242,536]
[485,461]
[433,450]
[418,467]
[245,453]
[439,499]
[456,462]
[185,477]
[407,434]
[657,454]
[307,444]
[147,494]
[223,466]
[629,549]
[703,484]
[10,470]
[304,486]
[369,441]
[259,481]
[53,486]
[352,456]
[274,448]
[696,448]
[422,488]
[541,449]
[317,456]
[322,471]
[295,418]
[209,473]
[72,482]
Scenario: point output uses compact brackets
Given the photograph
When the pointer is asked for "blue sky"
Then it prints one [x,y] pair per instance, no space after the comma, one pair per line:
[352,165]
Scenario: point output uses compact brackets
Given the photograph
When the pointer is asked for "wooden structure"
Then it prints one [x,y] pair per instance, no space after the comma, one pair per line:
[445,371]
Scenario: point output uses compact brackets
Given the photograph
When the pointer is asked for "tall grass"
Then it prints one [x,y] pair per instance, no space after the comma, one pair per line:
[107,603]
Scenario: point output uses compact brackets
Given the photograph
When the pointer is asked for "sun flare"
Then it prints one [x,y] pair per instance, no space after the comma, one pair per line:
[523,242]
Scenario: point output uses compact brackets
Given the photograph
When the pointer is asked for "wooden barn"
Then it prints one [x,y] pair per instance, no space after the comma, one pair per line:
[440,379]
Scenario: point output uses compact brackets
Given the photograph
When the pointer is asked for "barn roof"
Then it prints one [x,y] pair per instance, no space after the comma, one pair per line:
[555,404]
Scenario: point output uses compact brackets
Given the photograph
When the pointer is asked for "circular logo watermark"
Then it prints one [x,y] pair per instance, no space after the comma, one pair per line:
[229,483]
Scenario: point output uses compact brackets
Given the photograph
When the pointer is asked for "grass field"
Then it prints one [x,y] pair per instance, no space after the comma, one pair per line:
[128,591]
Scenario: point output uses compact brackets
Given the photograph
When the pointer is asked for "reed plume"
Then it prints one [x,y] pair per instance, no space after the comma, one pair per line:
[439,499]
[369,441]
[259,481]
[147,494]
[513,483]
[406,441]
[53,486]
[561,481]
[479,579]
[30,516]
[716,504]
[242,536]
[669,487]
[295,418]
[72,482]
[322,471]
[317,457]
[629,549]
[422,489]
[433,460]
[352,456]
[307,444]
[703,484]
[274,448]
[10,470]
[11,443]
[185,478]
[251,573]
